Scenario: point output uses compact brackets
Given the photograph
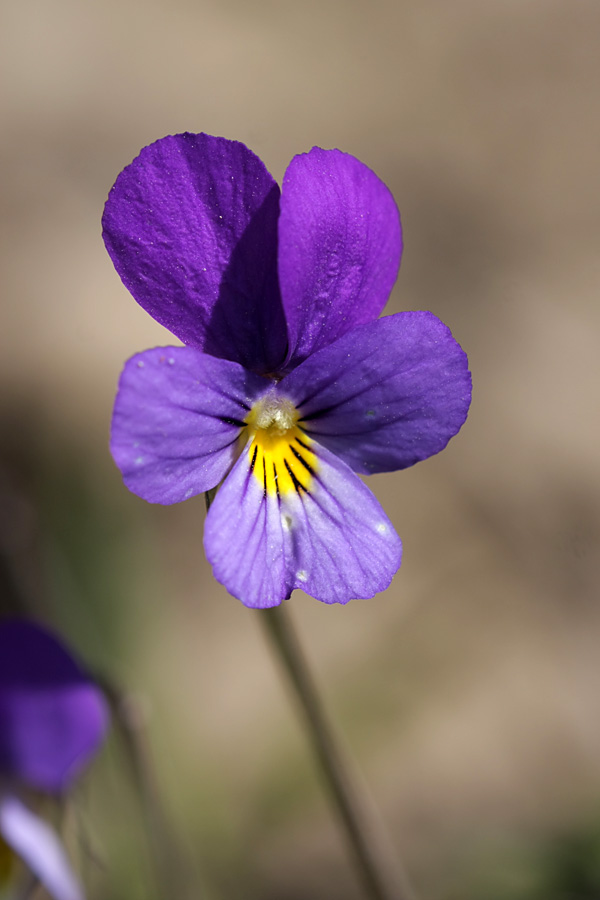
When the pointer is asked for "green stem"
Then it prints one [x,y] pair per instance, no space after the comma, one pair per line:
[366,837]
[170,868]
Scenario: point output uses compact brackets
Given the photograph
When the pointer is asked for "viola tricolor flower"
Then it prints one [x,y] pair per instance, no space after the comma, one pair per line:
[52,720]
[288,384]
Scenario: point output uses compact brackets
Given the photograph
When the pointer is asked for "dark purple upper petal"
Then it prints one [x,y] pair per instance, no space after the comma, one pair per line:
[340,244]
[387,394]
[52,716]
[191,227]
[177,418]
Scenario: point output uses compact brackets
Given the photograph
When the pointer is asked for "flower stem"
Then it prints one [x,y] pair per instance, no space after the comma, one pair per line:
[367,840]
[171,867]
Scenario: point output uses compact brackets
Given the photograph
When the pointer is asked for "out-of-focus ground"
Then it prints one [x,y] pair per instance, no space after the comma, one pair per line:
[470,691]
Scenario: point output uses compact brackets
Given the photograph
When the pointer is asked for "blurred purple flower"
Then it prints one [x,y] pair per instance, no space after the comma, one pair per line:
[52,720]
[289,384]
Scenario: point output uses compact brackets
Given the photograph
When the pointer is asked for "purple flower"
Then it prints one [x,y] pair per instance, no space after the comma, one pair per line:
[52,720]
[289,383]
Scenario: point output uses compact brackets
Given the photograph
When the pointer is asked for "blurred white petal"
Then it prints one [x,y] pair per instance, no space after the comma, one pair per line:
[39,847]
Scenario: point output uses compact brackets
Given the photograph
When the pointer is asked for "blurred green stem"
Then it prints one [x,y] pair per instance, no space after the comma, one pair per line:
[171,870]
[367,840]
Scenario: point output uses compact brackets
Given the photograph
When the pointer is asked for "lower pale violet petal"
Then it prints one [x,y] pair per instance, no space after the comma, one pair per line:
[39,848]
[244,539]
[311,525]
[387,394]
[176,422]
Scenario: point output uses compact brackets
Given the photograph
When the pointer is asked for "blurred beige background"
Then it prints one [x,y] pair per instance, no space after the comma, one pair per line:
[470,691]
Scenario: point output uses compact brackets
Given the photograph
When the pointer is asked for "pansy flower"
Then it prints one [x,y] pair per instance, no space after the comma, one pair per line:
[289,386]
[52,720]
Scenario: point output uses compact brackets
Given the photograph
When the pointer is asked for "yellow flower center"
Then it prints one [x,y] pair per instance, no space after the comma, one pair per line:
[280,452]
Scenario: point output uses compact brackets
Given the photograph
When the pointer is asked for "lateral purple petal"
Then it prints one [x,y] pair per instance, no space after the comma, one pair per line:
[176,422]
[52,716]
[191,227]
[39,848]
[332,540]
[387,394]
[340,244]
